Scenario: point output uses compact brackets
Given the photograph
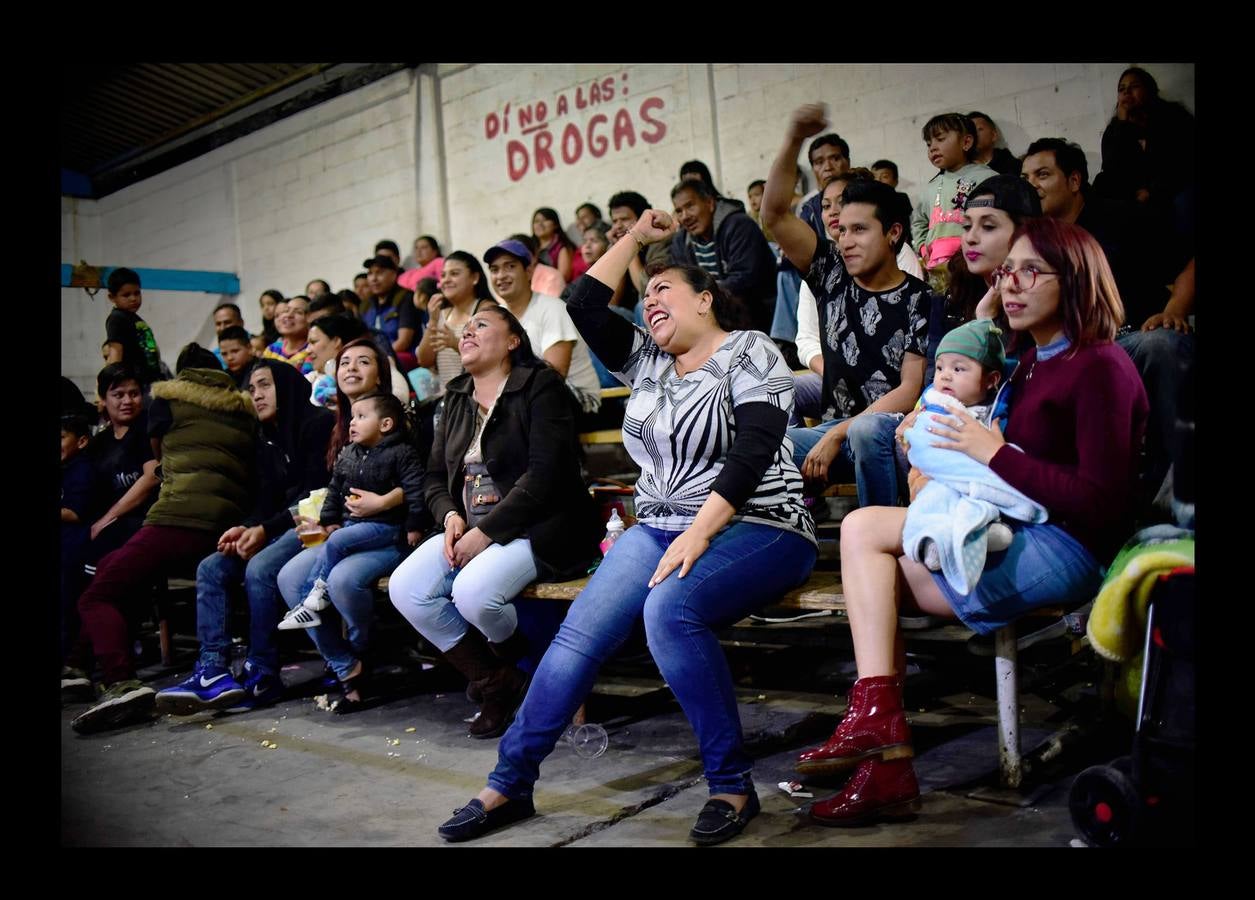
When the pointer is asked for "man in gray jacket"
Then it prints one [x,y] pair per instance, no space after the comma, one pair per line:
[719,236]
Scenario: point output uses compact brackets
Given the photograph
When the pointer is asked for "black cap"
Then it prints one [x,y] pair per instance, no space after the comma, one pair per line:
[383,262]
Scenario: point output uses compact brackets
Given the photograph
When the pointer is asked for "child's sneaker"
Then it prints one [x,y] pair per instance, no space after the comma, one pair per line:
[123,703]
[208,687]
[317,599]
[299,617]
[260,689]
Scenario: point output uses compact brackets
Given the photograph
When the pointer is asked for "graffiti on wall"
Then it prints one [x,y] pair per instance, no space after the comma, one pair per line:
[536,141]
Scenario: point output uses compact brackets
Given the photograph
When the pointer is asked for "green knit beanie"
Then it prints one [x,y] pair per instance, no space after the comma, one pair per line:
[979,340]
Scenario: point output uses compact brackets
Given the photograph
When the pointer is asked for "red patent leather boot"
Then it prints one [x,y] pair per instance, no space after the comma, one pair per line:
[877,790]
[874,725]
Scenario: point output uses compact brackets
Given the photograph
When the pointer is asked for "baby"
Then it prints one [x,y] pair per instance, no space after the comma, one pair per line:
[953,522]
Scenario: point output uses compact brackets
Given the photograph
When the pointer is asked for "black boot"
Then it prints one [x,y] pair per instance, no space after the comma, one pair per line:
[503,691]
[513,648]
[472,658]
[499,685]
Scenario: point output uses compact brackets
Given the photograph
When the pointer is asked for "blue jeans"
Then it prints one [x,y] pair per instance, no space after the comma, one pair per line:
[808,396]
[866,455]
[350,586]
[1162,357]
[784,321]
[745,567]
[352,537]
[215,575]
[1044,566]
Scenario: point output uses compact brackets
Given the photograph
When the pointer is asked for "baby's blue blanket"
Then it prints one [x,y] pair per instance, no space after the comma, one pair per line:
[960,500]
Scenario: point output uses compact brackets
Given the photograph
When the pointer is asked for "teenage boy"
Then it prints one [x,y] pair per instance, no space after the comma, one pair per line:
[626,207]
[361,287]
[720,237]
[886,172]
[988,153]
[391,250]
[873,322]
[236,352]
[937,223]
[226,315]
[390,311]
[128,338]
[545,319]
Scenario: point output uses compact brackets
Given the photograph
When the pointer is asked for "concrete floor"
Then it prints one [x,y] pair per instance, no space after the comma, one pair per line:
[388,776]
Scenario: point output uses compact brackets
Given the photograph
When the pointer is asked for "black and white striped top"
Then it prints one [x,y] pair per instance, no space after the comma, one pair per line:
[720,428]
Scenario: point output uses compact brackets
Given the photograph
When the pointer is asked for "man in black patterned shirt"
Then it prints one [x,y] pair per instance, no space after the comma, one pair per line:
[873,322]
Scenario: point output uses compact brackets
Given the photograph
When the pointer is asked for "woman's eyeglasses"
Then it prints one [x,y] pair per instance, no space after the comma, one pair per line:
[1024,279]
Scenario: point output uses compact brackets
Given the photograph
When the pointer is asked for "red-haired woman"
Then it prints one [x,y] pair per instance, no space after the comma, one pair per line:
[1078,412]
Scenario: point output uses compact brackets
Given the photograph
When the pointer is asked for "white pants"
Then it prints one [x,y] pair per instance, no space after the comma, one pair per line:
[441,601]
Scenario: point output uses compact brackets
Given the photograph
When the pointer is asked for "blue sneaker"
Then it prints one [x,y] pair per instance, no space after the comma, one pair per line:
[260,689]
[208,687]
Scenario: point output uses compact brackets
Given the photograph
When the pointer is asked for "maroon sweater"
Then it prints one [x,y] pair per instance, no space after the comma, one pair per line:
[1079,420]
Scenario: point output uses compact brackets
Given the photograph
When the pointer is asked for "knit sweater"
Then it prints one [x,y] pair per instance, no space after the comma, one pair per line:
[1079,419]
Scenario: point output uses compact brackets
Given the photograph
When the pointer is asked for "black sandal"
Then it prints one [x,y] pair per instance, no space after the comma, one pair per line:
[354,684]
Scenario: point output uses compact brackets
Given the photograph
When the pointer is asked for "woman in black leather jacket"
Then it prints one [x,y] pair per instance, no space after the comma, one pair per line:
[504,481]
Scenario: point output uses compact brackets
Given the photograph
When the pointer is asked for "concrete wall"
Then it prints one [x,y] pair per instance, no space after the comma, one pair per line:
[304,198]
[467,153]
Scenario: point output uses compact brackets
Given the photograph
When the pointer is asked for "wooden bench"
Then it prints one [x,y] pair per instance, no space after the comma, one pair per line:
[822,591]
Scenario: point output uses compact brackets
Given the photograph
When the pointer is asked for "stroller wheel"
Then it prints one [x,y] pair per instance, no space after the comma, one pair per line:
[1104,804]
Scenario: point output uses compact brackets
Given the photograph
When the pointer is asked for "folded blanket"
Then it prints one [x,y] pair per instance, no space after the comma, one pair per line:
[1117,624]
[956,506]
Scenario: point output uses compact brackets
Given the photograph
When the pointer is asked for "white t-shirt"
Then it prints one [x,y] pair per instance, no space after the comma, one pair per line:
[547,322]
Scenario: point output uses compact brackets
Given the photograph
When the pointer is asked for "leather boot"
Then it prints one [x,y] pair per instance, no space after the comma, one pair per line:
[503,690]
[876,790]
[874,725]
[513,648]
[472,658]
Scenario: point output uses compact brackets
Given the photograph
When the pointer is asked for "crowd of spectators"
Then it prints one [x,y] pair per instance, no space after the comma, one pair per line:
[429,415]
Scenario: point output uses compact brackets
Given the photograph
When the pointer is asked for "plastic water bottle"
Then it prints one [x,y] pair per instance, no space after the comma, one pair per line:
[614,531]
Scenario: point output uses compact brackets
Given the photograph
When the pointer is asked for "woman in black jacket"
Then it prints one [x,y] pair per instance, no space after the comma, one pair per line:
[504,481]
[291,461]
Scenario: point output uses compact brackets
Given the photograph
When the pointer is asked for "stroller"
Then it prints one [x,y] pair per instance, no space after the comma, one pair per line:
[1148,797]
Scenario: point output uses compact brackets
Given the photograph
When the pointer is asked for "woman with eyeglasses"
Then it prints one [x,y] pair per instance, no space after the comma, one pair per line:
[1077,417]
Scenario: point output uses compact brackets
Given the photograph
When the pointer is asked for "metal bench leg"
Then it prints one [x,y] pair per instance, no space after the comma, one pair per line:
[1005,670]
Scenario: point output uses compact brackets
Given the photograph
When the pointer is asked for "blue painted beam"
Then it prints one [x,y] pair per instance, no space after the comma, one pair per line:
[76,184]
[170,279]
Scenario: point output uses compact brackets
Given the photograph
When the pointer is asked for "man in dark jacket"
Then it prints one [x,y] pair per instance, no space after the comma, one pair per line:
[291,462]
[721,238]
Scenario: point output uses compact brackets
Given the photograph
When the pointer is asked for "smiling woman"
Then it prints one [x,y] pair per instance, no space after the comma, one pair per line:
[504,481]
[722,529]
